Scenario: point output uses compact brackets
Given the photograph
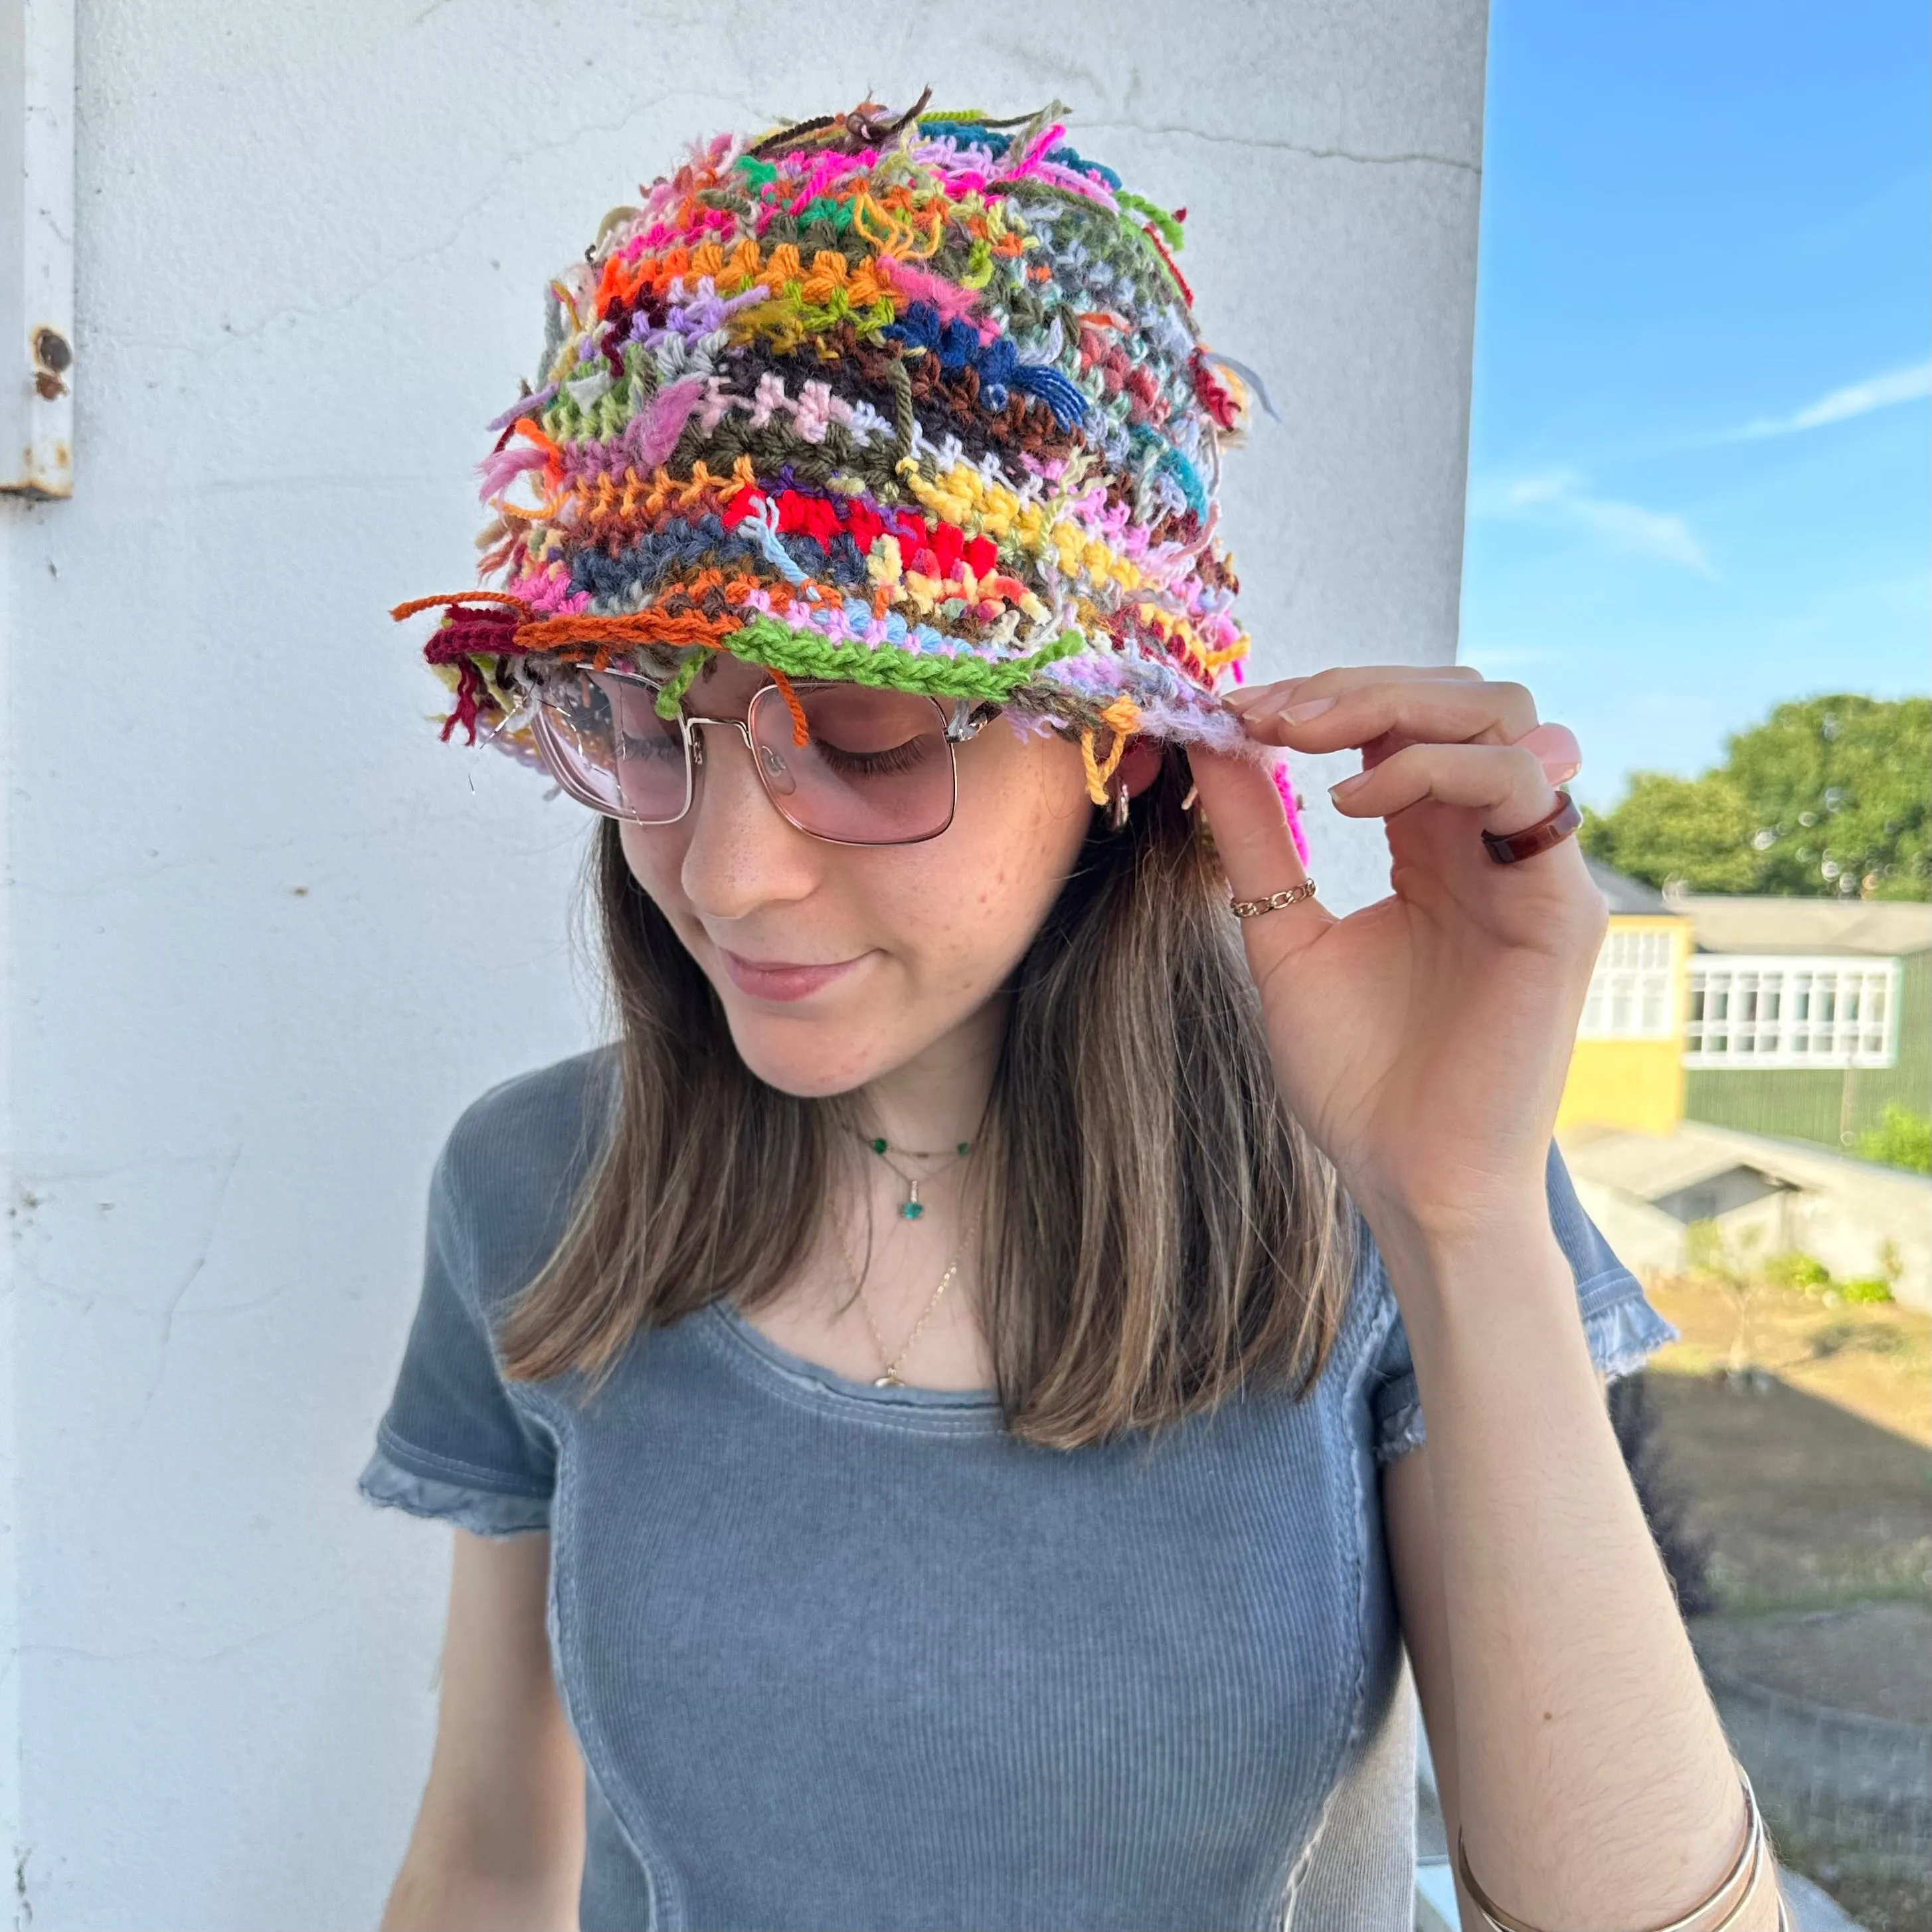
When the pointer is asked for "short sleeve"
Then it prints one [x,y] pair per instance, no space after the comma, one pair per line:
[453,1444]
[1620,1326]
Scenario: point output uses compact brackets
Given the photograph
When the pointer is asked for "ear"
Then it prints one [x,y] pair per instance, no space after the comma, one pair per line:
[1140,765]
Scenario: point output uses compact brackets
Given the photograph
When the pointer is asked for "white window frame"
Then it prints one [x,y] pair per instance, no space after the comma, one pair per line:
[1829,1011]
[1633,991]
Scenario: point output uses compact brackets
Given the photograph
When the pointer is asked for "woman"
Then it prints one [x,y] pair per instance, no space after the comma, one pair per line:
[934,1412]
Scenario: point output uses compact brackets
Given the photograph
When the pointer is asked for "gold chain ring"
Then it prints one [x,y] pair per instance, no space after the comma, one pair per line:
[1254,908]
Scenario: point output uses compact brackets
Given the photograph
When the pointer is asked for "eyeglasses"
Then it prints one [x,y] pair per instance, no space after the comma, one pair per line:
[843,762]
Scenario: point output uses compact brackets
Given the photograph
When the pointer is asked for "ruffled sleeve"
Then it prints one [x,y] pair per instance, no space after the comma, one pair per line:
[1621,1327]
[454,1443]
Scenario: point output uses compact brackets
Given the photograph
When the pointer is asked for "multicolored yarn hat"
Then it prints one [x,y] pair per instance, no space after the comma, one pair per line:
[916,401]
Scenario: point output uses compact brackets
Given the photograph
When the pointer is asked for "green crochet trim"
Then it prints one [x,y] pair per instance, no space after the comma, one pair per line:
[1169,228]
[672,694]
[777,646]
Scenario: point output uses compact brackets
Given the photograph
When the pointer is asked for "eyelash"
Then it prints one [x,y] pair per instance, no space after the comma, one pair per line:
[639,748]
[874,764]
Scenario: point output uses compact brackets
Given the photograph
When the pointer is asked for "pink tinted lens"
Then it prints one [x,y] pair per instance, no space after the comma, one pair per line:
[875,769]
[610,747]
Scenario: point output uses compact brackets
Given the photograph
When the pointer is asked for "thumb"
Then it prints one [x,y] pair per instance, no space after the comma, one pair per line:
[1256,844]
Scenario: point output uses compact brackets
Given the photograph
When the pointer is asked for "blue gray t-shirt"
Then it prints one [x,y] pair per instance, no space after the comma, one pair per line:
[847,1656]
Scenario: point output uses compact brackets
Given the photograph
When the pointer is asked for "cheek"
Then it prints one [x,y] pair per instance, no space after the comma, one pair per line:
[946,921]
[1016,837]
[655,856]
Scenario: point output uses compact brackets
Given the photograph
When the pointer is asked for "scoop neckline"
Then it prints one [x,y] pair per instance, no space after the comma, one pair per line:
[904,1402]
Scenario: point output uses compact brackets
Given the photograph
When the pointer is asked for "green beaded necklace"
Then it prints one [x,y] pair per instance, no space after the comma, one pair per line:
[913,1208]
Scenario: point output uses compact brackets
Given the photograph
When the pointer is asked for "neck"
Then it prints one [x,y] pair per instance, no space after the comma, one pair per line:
[938,1097]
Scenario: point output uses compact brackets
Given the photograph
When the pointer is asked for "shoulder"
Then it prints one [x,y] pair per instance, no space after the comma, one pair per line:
[511,1165]
[523,1129]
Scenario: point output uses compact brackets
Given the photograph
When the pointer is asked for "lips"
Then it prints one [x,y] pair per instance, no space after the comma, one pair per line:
[781,979]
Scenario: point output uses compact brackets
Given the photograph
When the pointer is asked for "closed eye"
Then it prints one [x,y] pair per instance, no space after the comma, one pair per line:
[890,763]
[658,746]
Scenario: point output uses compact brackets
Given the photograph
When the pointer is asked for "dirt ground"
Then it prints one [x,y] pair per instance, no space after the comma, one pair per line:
[1873,1658]
[1873,1360]
[1813,1482]
[1810,1507]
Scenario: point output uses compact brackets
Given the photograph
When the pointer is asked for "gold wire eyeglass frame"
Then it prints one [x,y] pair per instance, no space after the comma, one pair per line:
[964,720]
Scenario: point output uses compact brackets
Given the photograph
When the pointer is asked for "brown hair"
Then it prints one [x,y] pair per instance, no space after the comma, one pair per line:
[1161,1232]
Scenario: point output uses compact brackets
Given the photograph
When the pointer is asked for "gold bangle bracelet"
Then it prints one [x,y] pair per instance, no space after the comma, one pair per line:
[1752,1862]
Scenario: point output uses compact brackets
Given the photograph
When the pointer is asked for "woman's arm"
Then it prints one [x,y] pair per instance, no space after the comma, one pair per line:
[1424,1041]
[498,1845]
[1573,1739]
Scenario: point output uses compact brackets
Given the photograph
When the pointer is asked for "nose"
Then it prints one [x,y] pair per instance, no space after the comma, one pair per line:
[741,854]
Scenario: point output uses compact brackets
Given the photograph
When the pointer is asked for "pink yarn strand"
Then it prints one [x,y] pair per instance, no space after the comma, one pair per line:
[1284,783]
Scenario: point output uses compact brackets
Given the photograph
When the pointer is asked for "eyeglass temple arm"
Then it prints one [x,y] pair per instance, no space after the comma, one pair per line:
[970,715]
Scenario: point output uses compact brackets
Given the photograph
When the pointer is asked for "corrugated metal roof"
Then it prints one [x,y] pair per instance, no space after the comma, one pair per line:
[1881,927]
[1624,894]
[1648,1165]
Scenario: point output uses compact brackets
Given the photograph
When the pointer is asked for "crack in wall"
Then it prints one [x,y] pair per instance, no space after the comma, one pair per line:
[516,157]
[1307,150]
[178,1654]
[506,167]
[188,1281]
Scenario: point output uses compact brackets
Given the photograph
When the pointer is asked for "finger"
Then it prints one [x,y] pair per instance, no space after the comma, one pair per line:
[1251,835]
[1437,710]
[1556,750]
[1345,677]
[1504,784]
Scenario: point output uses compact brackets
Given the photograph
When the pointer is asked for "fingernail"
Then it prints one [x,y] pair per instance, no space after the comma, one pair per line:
[1299,714]
[1243,699]
[1346,786]
[1560,771]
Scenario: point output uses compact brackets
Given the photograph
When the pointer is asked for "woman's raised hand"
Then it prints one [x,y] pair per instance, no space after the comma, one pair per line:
[1423,1041]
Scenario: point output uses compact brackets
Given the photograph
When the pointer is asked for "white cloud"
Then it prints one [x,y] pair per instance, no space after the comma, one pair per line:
[1854,399]
[1563,496]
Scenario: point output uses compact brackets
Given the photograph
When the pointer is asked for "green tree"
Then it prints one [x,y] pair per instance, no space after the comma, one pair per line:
[1842,787]
[1695,829]
[1830,797]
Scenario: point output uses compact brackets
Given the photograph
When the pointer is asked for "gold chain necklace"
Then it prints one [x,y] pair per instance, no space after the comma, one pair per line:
[891,1377]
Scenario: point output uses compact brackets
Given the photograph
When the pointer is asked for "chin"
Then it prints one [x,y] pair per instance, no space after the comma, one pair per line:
[811,1059]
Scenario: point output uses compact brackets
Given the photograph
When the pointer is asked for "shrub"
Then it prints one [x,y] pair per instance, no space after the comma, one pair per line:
[1901,1138]
[1794,1268]
[1867,1288]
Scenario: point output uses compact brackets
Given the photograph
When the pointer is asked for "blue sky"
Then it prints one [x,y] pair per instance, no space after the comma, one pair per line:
[1698,456]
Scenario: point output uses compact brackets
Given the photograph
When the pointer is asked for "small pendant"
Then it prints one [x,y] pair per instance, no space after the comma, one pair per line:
[914,1207]
[888,1380]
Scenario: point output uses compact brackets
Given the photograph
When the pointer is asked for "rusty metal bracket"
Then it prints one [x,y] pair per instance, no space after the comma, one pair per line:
[36,335]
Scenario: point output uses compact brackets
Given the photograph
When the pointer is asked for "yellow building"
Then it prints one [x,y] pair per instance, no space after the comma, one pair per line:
[1627,1070]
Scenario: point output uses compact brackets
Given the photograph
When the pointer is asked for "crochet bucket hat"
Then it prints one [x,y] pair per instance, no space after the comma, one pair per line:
[916,400]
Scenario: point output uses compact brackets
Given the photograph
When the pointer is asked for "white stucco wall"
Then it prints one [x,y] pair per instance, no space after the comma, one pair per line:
[264,938]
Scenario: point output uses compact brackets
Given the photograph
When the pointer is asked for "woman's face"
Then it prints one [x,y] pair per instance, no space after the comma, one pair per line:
[838,964]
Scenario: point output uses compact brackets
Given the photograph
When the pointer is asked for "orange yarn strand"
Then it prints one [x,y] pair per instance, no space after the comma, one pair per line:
[801,733]
[400,611]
